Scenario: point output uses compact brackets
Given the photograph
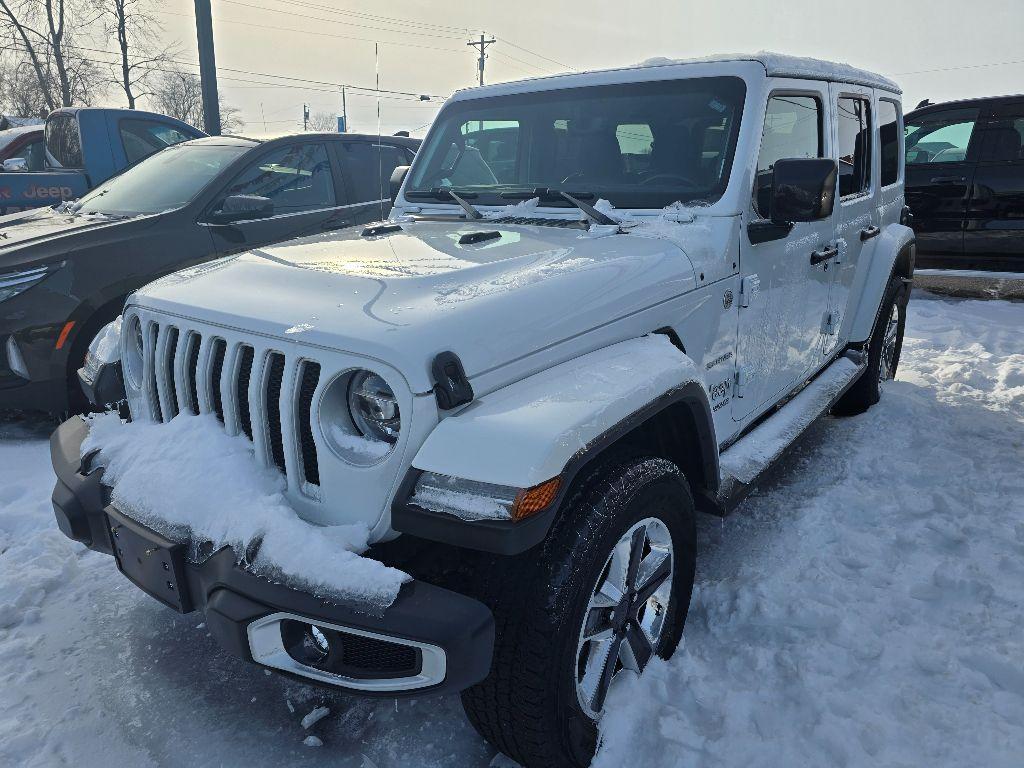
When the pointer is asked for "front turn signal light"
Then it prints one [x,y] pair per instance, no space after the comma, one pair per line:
[530,501]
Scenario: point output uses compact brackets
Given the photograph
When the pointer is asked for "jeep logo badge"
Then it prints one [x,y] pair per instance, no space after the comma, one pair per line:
[727,299]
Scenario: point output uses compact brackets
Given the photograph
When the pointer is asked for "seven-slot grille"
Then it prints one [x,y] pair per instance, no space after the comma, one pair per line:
[250,389]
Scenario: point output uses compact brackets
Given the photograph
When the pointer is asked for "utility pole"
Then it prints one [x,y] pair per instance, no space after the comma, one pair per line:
[344,110]
[305,117]
[482,46]
[207,68]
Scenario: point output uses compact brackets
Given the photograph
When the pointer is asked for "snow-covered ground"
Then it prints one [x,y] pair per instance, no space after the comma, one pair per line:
[865,608]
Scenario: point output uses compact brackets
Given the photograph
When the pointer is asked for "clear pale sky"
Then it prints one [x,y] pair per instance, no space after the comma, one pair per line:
[333,41]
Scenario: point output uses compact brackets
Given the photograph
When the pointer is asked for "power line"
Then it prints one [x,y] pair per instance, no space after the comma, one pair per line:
[455,31]
[963,66]
[317,34]
[385,93]
[335,21]
[538,55]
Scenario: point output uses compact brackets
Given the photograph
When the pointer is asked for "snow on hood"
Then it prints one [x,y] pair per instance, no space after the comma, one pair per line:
[406,296]
[191,481]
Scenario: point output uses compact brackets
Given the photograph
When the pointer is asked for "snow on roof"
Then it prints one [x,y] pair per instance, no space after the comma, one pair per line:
[775,65]
[782,65]
[10,121]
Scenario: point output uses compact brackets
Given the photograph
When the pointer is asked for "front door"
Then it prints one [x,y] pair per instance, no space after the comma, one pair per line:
[301,182]
[994,231]
[785,281]
[940,169]
[856,214]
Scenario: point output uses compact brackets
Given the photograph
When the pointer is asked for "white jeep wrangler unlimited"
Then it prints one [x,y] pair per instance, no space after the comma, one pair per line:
[603,302]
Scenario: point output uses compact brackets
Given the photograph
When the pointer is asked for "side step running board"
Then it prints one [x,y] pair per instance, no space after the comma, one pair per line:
[748,458]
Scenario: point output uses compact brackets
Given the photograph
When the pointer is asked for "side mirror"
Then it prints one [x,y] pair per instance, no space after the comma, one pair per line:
[243,208]
[397,179]
[803,189]
[16,165]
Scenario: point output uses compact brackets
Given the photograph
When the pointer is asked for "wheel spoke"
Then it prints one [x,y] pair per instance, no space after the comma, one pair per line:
[638,648]
[597,655]
[598,625]
[636,553]
[654,570]
[607,673]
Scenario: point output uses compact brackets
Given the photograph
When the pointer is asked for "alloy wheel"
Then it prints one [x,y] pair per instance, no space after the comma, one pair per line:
[885,364]
[625,617]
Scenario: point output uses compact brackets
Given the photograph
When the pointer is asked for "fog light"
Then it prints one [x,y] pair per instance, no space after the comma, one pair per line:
[307,643]
[15,361]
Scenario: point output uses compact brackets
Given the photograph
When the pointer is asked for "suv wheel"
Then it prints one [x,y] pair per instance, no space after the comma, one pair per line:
[883,352]
[607,591]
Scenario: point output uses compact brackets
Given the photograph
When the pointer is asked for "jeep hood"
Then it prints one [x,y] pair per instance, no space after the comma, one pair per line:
[404,297]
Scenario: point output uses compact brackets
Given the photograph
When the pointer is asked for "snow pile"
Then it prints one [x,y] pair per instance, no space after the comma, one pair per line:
[866,608]
[526,209]
[189,478]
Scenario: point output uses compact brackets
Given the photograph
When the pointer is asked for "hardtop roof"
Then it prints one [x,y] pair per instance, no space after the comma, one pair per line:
[775,65]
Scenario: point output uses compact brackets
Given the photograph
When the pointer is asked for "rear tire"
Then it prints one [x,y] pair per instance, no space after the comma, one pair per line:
[549,599]
[884,350]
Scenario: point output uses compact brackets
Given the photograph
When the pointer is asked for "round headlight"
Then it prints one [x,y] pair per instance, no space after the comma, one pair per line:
[133,351]
[373,407]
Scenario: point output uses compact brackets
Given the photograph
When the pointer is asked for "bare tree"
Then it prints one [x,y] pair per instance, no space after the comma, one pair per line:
[180,94]
[43,32]
[140,55]
[323,122]
[20,93]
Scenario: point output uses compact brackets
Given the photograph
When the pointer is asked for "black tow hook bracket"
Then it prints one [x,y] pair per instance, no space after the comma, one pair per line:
[471,238]
[451,387]
[381,229]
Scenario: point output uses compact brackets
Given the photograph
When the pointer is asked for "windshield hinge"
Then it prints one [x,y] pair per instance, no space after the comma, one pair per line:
[749,288]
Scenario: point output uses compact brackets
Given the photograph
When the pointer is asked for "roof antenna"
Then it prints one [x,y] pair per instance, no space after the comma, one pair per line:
[380,149]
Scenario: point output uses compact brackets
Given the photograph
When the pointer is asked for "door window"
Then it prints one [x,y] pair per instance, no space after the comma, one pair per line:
[296,178]
[370,166]
[792,128]
[1004,137]
[141,138]
[64,141]
[940,137]
[888,130]
[34,155]
[854,149]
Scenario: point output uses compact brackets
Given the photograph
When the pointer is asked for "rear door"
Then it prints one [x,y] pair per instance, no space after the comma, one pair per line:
[994,231]
[302,182]
[941,151]
[856,211]
[367,170]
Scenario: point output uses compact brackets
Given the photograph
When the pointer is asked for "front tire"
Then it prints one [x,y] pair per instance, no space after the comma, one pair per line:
[607,590]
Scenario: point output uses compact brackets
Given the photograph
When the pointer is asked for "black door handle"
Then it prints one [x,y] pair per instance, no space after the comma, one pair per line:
[868,232]
[949,179]
[824,254]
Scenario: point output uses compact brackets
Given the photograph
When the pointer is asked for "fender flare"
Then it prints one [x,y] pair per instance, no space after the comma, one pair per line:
[543,427]
[893,253]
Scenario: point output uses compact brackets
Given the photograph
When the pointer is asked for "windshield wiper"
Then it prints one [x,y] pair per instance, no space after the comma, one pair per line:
[590,211]
[446,193]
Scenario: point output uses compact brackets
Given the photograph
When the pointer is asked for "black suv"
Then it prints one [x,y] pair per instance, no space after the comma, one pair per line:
[65,272]
[965,183]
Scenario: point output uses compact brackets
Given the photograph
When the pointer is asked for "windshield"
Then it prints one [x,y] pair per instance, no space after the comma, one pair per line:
[641,145]
[167,180]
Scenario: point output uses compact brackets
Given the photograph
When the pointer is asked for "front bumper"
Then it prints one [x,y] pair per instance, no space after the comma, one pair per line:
[446,637]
